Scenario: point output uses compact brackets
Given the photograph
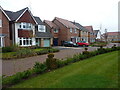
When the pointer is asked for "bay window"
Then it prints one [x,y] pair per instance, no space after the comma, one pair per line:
[25,41]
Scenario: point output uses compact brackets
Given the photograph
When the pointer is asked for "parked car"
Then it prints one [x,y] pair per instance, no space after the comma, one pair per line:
[82,43]
[69,44]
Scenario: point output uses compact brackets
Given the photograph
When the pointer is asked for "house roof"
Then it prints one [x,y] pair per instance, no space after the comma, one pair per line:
[14,16]
[43,34]
[66,23]
[89,28]
[51,24]
[38,20]
[5,13]
[113,33]
[80,26]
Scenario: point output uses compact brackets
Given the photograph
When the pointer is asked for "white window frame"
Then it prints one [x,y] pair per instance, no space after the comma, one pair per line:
[28,26]
[71,30]
[0,23]
[41,28]
[25,39]
[2,41]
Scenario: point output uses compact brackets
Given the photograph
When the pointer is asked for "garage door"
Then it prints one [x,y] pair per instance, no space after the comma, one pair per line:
[46,42]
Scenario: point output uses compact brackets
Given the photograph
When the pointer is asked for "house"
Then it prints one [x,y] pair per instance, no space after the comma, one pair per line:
[97,34]
[23,29]
[91,35]
[54,30]
[111,36]
[82,31]
[4,29]
[67,30]
[43,36]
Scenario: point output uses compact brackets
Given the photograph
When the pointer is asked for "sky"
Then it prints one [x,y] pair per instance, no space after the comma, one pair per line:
[98,13]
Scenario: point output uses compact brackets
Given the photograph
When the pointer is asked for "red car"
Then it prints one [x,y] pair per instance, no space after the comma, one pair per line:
[82,43]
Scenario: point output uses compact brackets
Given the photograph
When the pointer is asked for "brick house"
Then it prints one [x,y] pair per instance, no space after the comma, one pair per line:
[43,36]
[82,31]
[111,36]
[22,29]
[4,29]
[91,35]
[67,30]
[54,30]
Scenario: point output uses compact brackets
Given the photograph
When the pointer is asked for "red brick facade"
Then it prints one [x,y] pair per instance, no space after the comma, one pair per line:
[26,17]
[5,28]
[25,33]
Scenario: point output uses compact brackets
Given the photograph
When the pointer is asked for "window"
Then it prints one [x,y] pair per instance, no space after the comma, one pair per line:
[41,28]
[1,41]
[0,23]
[25,41]
[71,30]
[75,30]
[27,26]
[55,30]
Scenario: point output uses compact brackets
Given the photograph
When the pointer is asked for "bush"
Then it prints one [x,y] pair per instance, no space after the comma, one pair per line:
[51,62]
[39,68]
[25,52]
[13,48]
[26,74]
[17,78]
[7,49]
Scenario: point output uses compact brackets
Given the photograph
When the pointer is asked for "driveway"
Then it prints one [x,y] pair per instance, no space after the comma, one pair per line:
[10,67]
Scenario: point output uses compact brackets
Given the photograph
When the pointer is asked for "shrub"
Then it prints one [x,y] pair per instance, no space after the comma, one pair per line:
[45,51]
[39,68]
[60,63]
[13,48]
[25,52]
[7,49]
[17,78]
[26,74]
[51,62]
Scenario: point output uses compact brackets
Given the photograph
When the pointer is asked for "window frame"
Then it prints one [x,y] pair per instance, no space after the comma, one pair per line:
[41,28]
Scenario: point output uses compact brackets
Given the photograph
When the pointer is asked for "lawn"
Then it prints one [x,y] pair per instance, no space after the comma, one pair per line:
[97,72]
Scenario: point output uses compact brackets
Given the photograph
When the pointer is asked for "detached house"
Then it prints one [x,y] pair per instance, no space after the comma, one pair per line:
[27,30]
[43,36]
[83,32]
[54,30]
[91,35]
[67,30]
[4,29]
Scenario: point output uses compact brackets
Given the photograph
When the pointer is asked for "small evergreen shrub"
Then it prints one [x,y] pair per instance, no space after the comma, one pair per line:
[51,62]
[39,68]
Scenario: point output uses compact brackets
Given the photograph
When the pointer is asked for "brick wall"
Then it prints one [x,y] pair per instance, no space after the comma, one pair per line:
[5,29]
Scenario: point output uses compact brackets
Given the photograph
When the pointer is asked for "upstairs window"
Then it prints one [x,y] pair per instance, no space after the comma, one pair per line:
[55,30]
[71,30]
[0,23]
[41,28]
[27,26]
[75,30]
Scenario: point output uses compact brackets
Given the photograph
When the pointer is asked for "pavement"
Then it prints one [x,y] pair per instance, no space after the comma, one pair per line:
[10,67]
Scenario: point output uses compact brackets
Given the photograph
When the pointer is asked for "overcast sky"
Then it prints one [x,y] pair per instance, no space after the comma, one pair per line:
[86,12]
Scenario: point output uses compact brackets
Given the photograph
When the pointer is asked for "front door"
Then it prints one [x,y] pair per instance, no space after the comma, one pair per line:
[55,41]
